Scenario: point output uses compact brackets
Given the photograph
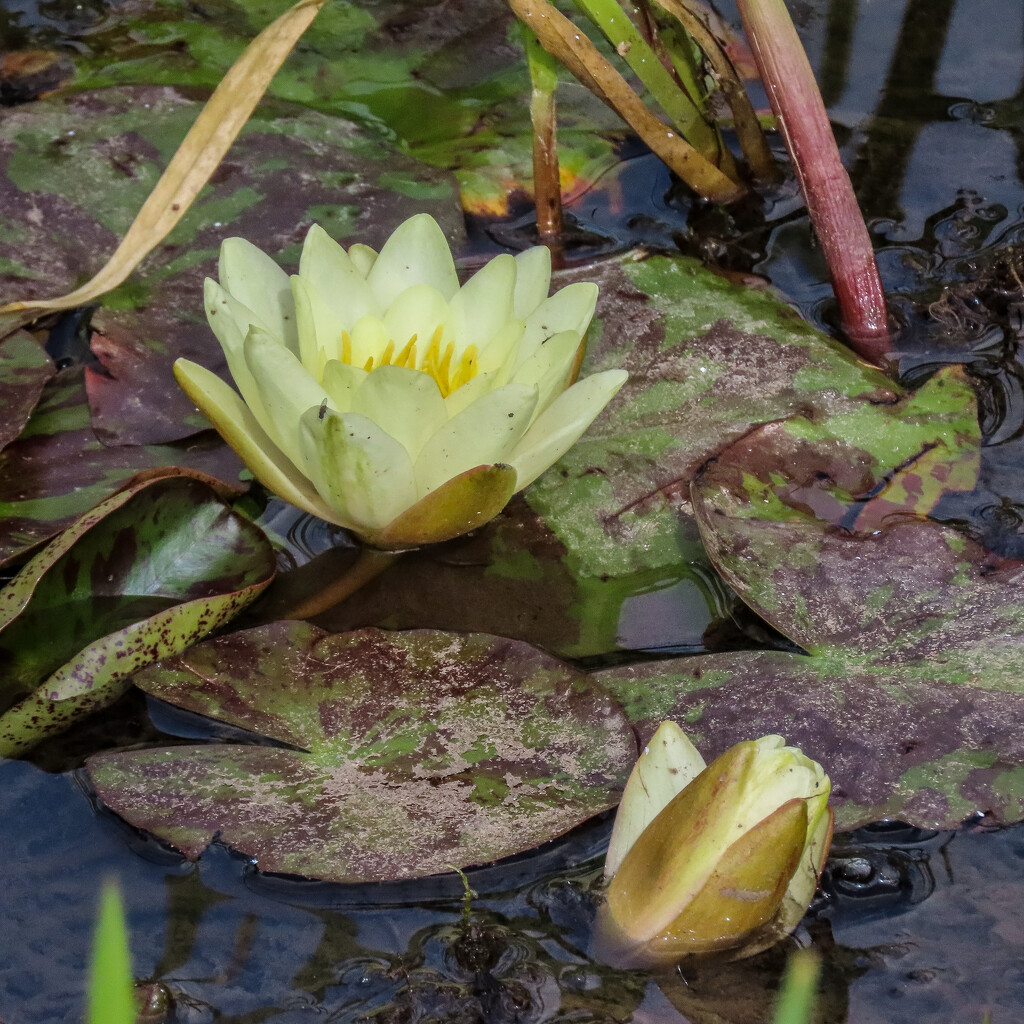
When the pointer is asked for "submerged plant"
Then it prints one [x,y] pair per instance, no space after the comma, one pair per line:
[728,863]
[379,395]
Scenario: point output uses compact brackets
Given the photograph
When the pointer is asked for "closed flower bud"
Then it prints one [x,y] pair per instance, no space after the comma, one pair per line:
[729,864]
[378,394]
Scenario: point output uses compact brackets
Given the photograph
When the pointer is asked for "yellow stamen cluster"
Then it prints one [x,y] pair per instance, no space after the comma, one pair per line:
[434,363]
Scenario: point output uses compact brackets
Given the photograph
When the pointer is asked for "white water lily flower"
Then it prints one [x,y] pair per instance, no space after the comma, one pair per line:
[379,395]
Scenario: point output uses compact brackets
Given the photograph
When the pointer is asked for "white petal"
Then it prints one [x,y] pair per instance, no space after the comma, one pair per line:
[362,257]
[416,253]
[483,434]
[483,305]
[341,294]
[470,392]
[419,310]
[230,322]
[404,403]
[253,278]
[341,382]
[501,353]
[533,280]
[570,309]
[239,428]
[357,468]
[286,388]
[310,353]
[558,428]
[550,367]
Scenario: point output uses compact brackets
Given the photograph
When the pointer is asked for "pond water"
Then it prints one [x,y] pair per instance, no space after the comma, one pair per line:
[927,98]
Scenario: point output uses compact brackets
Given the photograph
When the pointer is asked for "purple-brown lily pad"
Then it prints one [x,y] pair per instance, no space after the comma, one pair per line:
[24,370]
[911,692]
[286,171]
[145,573]
[407,752]
[57,469]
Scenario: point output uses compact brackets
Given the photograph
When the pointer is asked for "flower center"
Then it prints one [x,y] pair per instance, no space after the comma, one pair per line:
[429,359]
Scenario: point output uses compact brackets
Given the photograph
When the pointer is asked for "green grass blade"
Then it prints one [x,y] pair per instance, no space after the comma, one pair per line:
[111,986]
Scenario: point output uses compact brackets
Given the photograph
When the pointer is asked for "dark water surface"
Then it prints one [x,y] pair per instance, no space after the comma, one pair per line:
[927,98]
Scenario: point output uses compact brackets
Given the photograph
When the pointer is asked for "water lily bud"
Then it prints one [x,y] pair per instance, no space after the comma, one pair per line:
[666,766]
[730,863]
[378,394]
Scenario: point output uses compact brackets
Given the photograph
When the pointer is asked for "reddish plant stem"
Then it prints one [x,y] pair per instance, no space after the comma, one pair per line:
[826,186]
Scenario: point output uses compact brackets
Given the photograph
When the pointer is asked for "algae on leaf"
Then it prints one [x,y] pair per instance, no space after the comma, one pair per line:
[396,755]
[911,689]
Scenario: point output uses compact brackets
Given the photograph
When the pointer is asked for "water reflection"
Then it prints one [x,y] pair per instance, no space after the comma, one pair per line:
[913,925]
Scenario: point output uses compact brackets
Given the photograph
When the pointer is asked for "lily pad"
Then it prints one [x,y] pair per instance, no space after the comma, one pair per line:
[57,469]
[147,572]
[604,553]
[446,82]
[408,752]
[911,690]
[24,370]
[75,172]
[707,361]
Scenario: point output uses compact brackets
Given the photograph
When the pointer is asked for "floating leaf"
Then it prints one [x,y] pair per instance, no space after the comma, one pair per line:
[911,692]
[57,469]
[418,751]
[707,361]
[147,572]
[195,160]
[285,171]
[24,370]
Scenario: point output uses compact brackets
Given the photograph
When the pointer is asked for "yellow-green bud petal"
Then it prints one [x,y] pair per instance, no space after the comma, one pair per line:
[730,863]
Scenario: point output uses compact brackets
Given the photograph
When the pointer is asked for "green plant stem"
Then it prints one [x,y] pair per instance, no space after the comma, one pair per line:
[748,127]
[370,564]
[561,38]
[831,204]
[547,186]
[610,18]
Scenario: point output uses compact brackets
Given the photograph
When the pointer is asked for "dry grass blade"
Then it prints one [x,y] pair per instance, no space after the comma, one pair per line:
[560,37]
[748,128]
[202,149]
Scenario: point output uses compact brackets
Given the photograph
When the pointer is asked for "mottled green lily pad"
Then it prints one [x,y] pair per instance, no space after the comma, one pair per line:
[147,572]
[604,552]
[407,752]
[75,173]
[446,81]
[57,469]
[708,360]
[911,693]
